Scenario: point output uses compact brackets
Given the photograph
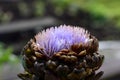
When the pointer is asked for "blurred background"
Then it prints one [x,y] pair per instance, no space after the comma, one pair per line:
[20,20]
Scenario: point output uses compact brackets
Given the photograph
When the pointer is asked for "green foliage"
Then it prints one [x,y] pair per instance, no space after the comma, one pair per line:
[60,6]
[5,17]
[6,55]
[24,10]
[109,9]
[39,8]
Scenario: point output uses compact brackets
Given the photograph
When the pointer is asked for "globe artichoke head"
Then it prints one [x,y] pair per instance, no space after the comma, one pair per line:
[62,53]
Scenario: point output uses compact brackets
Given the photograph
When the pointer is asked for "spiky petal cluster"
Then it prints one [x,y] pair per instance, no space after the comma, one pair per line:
[55,39]
[62,53]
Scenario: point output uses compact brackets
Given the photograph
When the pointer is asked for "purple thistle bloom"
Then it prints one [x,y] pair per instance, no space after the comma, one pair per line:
[55,39]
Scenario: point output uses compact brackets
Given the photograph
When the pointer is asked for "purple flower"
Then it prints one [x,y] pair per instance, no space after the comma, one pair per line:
[63,37]
[62,53]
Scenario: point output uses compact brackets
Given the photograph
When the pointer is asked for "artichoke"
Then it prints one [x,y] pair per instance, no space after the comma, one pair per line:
[62,53]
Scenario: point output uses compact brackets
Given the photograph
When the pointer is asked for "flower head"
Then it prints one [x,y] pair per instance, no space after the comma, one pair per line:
[55,39]
[63,53]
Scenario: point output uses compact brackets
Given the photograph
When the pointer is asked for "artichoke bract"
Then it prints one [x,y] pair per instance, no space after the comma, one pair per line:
[62,53]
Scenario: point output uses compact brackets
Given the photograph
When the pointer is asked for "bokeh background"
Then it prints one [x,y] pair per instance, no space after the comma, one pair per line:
[20,20]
